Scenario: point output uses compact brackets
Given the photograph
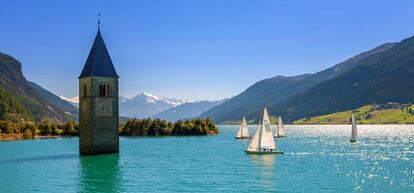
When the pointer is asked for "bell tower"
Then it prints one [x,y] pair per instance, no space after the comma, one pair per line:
[98,102]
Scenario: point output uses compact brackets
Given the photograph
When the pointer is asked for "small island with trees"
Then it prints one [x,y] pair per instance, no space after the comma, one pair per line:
[10,130]
[158,127]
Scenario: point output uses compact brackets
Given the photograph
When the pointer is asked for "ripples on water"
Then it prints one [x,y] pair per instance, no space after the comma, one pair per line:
[316,159]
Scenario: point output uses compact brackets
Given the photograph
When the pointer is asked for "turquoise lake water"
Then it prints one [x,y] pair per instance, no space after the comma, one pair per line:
[317,159]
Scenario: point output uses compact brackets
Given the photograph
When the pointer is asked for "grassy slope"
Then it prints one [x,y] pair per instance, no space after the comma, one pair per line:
[364,115]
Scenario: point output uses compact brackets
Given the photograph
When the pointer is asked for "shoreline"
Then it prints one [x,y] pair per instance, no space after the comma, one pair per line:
[15,137]
[326,124]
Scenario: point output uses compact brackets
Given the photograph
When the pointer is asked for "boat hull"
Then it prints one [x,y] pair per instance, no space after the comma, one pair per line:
[279,136]
[263,153]
[352,140]
[242,137]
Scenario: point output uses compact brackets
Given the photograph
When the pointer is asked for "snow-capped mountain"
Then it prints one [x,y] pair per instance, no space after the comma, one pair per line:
[141,106]
[187,110]
[74,100]
[122,99]
[146,104]
[155,99]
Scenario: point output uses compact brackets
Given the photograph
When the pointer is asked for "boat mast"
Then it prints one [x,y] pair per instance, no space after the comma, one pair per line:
[260,136]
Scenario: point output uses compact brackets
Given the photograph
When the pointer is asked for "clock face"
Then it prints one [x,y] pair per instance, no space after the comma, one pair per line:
[84,106]
[103,107]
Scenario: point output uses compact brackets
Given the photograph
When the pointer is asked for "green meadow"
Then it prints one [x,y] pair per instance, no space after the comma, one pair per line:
[365,115]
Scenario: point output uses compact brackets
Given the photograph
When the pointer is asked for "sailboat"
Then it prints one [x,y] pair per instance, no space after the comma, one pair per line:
[354,134]
[263,141]
[280,131]
[243,132]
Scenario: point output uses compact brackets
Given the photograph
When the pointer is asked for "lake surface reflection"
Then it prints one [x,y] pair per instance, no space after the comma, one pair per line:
[316,159]
[100,173]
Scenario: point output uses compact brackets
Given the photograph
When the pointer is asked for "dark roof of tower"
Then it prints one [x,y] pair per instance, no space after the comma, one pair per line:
[99,62]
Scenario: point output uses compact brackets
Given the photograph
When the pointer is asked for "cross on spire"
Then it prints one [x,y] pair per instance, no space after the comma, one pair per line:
[99,20]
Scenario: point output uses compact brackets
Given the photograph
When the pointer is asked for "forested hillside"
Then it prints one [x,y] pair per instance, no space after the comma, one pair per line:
[21,100]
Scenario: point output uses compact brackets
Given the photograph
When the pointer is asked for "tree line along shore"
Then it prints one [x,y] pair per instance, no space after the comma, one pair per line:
[133,127]
[158,127]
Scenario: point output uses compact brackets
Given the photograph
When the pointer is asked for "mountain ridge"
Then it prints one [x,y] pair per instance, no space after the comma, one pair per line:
[379,78]
[63,105]
[187,110]
[145,105]
[278,89]
[15,84]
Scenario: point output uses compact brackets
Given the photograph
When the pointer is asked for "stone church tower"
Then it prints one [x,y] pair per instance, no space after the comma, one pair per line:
[98,102]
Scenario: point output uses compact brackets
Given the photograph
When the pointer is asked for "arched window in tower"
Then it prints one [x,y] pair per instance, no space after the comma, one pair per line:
[104,90]
[84,90]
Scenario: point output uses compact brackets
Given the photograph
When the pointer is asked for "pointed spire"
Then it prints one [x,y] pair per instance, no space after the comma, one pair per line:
[99,62]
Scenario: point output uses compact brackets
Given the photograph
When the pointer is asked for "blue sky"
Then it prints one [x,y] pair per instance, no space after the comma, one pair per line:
[204,49]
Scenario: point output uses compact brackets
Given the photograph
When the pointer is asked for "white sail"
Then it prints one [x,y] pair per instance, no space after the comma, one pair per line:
[354,134]
[243,131]
[267,142]
[254,143]
[239,133]
[280,131]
